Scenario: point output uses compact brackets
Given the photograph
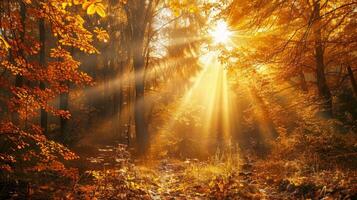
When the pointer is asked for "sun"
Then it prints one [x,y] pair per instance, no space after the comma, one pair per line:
[220,33]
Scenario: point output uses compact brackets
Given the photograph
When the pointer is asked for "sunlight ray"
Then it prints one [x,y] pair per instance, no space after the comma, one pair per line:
[128,77]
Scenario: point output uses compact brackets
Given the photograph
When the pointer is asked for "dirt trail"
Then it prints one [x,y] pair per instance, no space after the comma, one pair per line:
[175,179]
[117,177]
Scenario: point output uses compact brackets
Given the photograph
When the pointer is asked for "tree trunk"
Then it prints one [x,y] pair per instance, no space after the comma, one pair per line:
[42,30]
[303,83]
[117,101]
[323,89]
[139,13]
[64,105]
[352,79]
[64,97]
[121,98]
[19,79]
[142,136]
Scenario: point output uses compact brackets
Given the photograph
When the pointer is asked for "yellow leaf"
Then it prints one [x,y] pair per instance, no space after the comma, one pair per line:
[91,9]
[176,12]
[86,4]
[77,2]
[100,11]
[192,9]
[6,45]
[100,5]
[64,5]
[80,19]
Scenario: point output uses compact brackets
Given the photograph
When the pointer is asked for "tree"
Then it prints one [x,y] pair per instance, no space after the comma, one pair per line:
[140,13]
[302,33]
[42,62]
[29,81]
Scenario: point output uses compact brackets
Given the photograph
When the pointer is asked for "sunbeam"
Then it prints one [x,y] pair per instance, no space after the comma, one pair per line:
[209,92]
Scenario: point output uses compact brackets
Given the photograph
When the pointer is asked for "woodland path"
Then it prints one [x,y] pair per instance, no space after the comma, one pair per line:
[194,179]
[177,179]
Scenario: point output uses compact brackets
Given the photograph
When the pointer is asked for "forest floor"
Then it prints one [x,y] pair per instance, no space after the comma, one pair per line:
[108,176]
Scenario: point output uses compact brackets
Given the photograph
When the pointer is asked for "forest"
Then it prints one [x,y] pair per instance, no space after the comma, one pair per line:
[178,99]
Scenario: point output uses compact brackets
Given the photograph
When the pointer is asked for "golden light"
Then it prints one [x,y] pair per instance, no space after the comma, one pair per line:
[220,33]
[213,125]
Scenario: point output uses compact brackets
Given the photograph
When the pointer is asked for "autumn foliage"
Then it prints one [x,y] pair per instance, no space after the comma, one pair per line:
[36,67]
[178,99]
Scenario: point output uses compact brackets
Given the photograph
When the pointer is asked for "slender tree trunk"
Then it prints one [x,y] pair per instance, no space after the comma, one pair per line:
[64,97]
[323,89]
[64,105]
[142,136]
[42,30]
[116,97]
[303,83]
[115,68]
[352,79]
[119,92]
[106,84]
[138,14]
[19,79]
[115,117]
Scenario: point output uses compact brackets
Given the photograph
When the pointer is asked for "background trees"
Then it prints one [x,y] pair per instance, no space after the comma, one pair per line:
[303,35]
